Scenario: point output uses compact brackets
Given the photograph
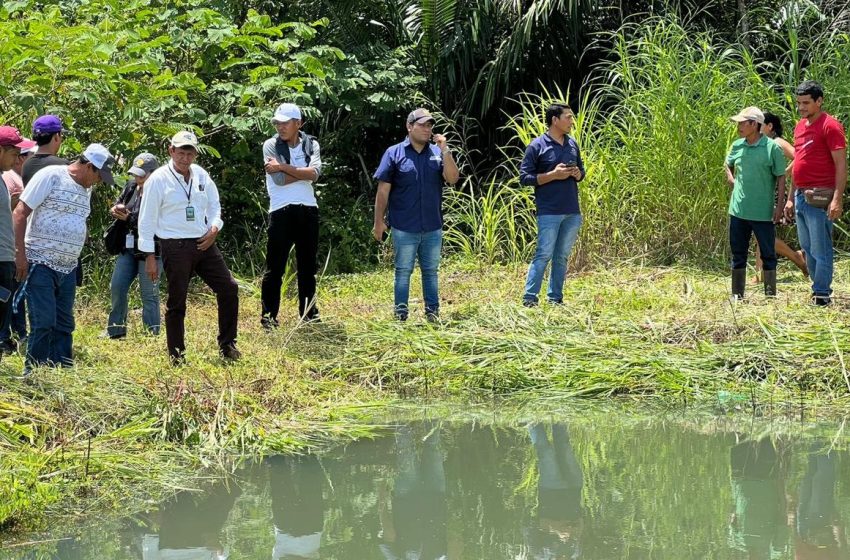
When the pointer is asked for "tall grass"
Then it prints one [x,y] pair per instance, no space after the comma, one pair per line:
[654,130]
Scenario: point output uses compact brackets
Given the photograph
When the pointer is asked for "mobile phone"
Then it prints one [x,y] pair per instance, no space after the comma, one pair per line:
[5,294]
[385,236]
[570,163]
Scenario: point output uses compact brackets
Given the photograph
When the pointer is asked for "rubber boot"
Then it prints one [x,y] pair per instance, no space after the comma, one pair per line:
[769,283]
[739,282]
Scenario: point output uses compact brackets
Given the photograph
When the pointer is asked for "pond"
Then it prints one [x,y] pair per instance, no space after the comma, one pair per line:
[584,484]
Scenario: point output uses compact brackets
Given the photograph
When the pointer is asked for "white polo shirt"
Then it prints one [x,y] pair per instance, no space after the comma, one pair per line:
[165,207]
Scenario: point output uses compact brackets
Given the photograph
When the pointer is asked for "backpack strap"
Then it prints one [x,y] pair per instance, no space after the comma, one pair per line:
[282,148]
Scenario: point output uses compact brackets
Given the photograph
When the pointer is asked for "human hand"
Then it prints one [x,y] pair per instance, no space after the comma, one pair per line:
[836,208]
[119,212]
[440,141]
[271,166]
[208,239]
[379,231]
[151,268]
[789,210]
[21,266]
[561,171]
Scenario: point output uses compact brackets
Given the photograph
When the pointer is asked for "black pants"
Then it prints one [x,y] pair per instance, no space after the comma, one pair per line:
[740,232]
[298,225]
[181,259]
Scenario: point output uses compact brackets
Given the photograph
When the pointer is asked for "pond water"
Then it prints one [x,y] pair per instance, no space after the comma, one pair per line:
[582,485]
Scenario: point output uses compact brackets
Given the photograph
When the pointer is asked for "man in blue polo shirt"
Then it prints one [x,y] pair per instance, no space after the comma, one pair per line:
[410,183]
[553,166]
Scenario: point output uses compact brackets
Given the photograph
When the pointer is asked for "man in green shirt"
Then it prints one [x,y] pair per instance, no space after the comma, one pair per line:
[755,168]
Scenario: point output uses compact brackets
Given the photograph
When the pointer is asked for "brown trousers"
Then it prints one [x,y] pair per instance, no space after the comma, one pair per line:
[181,258]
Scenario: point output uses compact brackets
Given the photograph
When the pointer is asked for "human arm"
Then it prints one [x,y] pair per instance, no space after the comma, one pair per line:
[451,174]
[836,207]
[381,199]
[779,209]
[19,223]
[528,174]
[292,173]
[213,215]
[578,171]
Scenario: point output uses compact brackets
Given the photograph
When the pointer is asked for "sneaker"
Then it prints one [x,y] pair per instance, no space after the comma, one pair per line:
[269,323]
[230,352]
[556,302]
[432,316]
[529,303]
[400,316]
[821,301]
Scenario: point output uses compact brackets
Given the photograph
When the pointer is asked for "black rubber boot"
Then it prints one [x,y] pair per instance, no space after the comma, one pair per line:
[739,281]
[769,283]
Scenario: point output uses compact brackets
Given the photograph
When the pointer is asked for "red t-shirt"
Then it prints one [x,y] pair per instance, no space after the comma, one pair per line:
[813,147]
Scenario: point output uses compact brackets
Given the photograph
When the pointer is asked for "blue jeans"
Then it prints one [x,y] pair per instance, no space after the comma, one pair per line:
[556,235]
[407,247]
[50,298]
[127,268]
[815,232]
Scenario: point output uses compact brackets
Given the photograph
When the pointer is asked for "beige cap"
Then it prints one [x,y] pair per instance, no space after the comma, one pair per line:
[749,114]
[187,138]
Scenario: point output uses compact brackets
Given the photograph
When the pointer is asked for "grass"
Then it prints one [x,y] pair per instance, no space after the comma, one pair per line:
[125,427]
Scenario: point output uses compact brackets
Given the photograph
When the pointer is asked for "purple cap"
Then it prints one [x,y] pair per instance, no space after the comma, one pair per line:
[47,124]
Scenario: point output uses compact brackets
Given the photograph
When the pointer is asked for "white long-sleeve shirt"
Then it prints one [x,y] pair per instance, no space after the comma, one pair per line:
[167,196]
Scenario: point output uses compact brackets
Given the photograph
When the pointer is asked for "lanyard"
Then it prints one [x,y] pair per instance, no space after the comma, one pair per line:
[188,193]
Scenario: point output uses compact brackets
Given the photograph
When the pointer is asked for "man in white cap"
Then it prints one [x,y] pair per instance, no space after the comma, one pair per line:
[755,168]
[292,163]
[50,229]
[181,208]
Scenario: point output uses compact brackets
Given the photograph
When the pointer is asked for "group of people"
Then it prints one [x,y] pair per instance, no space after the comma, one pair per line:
[757,167]
[168,216]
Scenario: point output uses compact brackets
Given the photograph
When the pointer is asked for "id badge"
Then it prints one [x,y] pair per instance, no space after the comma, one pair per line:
[129,241]
[190,213]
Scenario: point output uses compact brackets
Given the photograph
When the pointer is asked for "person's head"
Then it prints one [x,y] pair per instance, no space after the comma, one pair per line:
[420,126]
[48,132]
[749,121]
[143,165]
[11,143]
[183,150]
[772,127]
[560,117]
[809,99]
[95,165]
[287,121]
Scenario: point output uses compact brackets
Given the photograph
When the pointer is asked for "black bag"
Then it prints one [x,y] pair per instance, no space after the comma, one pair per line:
[115,237]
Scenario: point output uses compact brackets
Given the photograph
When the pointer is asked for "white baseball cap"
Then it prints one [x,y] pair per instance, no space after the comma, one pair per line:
[286,112]
[184,138]
[99,156]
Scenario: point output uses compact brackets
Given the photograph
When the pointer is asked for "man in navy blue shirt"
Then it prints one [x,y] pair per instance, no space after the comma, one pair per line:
[553,166]
[410,190]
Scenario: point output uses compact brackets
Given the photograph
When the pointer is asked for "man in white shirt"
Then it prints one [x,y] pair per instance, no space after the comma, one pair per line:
[292,164]
[50,229]
[181,207]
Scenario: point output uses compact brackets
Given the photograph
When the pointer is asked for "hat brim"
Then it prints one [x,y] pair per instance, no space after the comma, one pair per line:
[281,120]
[184,144]
[743,118]
[106,176]
[137,171]
[423,120]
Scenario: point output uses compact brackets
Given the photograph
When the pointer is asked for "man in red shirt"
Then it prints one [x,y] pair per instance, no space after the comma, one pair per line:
[820,175]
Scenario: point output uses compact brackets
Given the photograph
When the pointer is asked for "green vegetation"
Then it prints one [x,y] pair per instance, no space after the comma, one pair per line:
[122,415]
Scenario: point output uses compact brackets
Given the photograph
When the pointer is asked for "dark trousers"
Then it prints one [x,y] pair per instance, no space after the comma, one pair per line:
[181,258]
[297,225]
[7,280]
[740,232]
[14,323]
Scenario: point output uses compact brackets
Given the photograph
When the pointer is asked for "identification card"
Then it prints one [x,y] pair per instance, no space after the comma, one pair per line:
[129,241]
[190,213]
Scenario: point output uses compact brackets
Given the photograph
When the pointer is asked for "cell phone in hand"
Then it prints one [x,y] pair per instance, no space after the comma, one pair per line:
[5,294]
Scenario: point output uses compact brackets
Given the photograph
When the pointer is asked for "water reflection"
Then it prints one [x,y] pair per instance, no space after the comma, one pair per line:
[297,506]
[557,533]
[562,488]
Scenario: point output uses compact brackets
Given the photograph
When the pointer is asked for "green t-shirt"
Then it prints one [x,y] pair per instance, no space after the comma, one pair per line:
[756,167]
